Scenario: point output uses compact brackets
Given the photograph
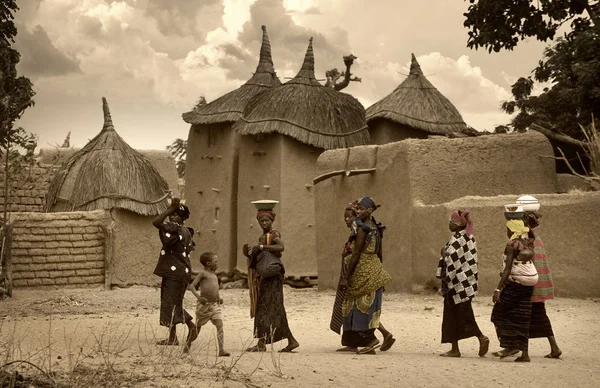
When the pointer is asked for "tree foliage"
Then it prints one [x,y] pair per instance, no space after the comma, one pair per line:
[178,150]
[571,65]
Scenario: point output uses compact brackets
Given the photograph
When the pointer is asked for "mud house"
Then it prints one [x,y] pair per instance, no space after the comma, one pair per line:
[419,182]
[415,109]
[107,174]
[213,160]
[284,130]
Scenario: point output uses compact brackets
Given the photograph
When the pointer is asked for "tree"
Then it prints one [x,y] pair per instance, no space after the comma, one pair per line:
[571,65]
[501,24]
[178,150]
[334,75]
[16,95]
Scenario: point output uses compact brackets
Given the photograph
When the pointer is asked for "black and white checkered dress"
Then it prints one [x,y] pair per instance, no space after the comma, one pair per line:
[458,267]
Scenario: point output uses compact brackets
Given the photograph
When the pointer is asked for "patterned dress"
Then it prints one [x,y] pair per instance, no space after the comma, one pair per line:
[361,307]
[512,313]
[540,326]
[458,272]
[270,318]
[175,269]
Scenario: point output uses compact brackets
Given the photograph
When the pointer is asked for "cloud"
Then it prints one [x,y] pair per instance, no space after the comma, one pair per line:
[40,57]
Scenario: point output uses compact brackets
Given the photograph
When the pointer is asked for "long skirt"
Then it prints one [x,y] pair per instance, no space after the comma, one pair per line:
[172,292]
[270,319]
[512,315]
[337,318]
[361,318]
[458,321]
[540,326]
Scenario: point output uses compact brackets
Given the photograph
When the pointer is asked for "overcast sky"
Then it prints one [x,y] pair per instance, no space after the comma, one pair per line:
[152,59]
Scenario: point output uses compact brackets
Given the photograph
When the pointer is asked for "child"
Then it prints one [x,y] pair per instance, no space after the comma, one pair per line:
[208,308]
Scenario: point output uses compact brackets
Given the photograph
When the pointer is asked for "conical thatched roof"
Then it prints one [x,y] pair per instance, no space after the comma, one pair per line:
[307,111]
[418,104]
[229,107]
[107,173]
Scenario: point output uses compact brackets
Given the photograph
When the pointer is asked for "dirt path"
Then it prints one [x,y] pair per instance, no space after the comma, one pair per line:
[107,338]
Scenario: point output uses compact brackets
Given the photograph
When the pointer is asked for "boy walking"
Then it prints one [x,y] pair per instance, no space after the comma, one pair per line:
[208,307]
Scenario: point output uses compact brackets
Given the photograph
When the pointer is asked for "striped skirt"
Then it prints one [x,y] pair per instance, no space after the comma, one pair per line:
[512,315]
[540,326]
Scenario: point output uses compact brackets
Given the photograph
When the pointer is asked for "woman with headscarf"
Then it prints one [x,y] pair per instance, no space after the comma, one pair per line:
[540,326]
[363,282]
[457,269]
[337,319]
[175,269]
[265,280]
[512,298]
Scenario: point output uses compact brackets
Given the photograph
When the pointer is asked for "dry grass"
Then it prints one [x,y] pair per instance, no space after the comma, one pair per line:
[229,107]
[107,173]
[418,104]
[121,356]
[307,111]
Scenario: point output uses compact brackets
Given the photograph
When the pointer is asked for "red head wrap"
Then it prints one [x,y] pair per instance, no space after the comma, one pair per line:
[463,218]
[268,213]
[352,206]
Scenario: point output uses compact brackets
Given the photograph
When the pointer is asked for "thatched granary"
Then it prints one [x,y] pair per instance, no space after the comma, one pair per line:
[307,111]
[415,109]
[107,174]
[212,161]
[284,130]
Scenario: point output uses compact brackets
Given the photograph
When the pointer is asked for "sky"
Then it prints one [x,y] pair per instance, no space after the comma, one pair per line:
[153,59]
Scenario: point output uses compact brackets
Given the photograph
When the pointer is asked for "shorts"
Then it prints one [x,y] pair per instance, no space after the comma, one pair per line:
[207,312]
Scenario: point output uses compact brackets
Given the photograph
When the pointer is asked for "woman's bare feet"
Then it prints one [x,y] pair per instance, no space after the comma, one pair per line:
[554,354]
[292,344]
[370,347]
[388,341]
[522,358]
[257,348]
[484,345]
[224,353]
[451,353]
[506,353]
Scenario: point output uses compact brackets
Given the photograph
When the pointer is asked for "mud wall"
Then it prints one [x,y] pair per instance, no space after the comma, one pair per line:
[414,176]
[211,183]
[28,188]
[384,131]
[59,249]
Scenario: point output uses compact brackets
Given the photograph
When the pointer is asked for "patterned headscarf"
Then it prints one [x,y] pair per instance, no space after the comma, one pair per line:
[462,217]
[352,206]
[368,203]
[183,211]
[268,213]
[517,227]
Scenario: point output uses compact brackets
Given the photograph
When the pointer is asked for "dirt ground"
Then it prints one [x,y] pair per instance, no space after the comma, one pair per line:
[100,338]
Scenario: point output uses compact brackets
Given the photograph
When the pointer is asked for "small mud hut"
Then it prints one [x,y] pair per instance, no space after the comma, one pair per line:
[284,130]
[212,160]
[107,174]
[415,109]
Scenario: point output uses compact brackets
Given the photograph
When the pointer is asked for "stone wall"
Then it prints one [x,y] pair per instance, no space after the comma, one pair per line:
[28,189]
[59,249]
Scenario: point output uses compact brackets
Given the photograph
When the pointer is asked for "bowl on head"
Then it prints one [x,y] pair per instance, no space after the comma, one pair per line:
[265,204]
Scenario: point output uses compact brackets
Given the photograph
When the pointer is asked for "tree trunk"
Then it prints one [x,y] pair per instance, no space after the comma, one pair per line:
[346,80]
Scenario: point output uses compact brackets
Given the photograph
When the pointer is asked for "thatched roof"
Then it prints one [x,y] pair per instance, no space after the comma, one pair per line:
[229,107]
[107,173]
[307,111]
[418,104]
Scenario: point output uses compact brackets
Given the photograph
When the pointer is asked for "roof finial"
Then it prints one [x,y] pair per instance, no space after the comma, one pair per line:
[415,68]
[265,48]
[108,124]
[309,58]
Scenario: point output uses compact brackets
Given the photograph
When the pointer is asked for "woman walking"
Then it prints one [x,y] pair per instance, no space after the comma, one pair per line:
[363,282]
[512,298]
[457,270]
[265,280]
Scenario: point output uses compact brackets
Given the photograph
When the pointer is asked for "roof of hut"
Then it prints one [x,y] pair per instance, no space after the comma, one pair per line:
[229,107]
[418,104]
[307,111]
[107,173]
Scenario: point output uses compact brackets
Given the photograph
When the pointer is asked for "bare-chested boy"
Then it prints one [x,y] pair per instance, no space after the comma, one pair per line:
[208,307]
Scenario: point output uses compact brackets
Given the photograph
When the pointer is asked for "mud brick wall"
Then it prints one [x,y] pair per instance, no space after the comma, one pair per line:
[28,188]
[59,249]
